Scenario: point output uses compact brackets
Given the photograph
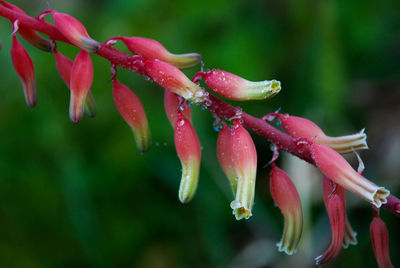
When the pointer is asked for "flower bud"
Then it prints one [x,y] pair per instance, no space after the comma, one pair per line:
[189,152]
[131,109]
[337,215]
[74,31]
[30,35]
[172,79]
[300,127]
[244,158]
[224,155]
[171,105]
[152,49]
[285,195]
[64,66]
[380,242]
[234,87]
[24,67]
[336,168]
[80,83]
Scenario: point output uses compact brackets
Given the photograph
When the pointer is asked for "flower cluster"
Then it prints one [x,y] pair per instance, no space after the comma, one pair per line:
[236,151]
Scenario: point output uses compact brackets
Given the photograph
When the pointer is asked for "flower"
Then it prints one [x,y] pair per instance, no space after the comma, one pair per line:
[171,105]
[380,241]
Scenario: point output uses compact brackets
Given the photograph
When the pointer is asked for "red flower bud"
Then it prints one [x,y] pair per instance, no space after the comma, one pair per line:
[74,31]
[152,49]
[30,35]
[236,88]
[80,83]
[244,158]
[24,67]
[300,127]
[224,155]
[380,242]
[131,109]
[285,195]
[336,168]
[172,79]
[189,152]
[171,105]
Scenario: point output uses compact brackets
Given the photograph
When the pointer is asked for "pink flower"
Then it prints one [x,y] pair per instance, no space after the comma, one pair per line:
[300,127]
[380,242]
[80,83]
[189,152]
[236,88]
[336,168]
[244,158]
[152,49]
[24,67]
[131,109]
[285,195]
[74,31]
[171,105]
[224,155]
[172,79]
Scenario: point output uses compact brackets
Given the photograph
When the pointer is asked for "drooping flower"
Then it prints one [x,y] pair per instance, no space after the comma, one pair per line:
[131,109]
[244,157]
[336,168]
[80,83]
[74,31]
[224,155]
[152,49]
[380,241]
[171,105]
[172,79]
[24,67]
[189,152]
[236,88]
[30,35]
[285,195]
[301,127]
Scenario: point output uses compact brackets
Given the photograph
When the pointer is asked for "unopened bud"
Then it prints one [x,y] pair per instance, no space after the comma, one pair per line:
[172,79]
[300,127]
[173,105]
[236,88]
[244,157]
[189,152]
[131,109]
[336,168]
[152,49]
[74,31]
[80,83]
[224,155]
[24,67]
[285,195]
[380,242]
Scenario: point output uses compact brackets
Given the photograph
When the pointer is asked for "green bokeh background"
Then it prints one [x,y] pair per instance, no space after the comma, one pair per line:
[80,195]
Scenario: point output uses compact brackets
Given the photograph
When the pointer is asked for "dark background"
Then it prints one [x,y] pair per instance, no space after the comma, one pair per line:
[80,195]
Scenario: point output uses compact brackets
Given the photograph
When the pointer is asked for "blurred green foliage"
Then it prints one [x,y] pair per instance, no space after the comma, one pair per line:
[80,195]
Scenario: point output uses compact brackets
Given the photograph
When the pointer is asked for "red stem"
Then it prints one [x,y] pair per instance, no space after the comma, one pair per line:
[216,105]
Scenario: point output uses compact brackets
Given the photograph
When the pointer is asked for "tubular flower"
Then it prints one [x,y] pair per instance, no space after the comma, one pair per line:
[337,216]
[285,195]
[172,79]
[80,83]
[224,155]
[328,188]
[380,242]
[172,104]
[189,152]
[24,67]
[244,158]
[30,35]
[336,168]
[131,109]
[236,88]
[64,66]
[74,31]
[300,127]
[152,49]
